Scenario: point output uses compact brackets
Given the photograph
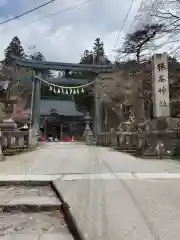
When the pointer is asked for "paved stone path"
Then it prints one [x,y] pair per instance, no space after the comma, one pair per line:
[112,195]
[68,158]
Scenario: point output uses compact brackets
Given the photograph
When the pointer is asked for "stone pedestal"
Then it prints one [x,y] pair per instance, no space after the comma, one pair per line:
[126,127]
[88,134]
[32,141]
[6,125]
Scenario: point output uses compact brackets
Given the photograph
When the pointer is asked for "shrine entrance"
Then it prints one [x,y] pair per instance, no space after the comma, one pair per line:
[55,126]
[67,117]
[58,132]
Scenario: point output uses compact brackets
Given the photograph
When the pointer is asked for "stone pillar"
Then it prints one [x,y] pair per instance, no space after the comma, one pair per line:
[36,104]
[161,104]
[1,154]
[21,141]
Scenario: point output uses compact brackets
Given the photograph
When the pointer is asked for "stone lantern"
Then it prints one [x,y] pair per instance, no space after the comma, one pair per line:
[88,133]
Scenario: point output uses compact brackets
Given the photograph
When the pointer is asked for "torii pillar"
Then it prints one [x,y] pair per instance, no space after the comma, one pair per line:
[35,112]
[36,94]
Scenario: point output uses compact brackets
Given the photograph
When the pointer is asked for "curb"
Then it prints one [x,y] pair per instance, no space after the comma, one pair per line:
[69,218]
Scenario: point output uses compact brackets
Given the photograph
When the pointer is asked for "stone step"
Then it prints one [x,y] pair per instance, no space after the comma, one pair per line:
[126,148]
[27,204]
[28,197]
[25,226]
[130,149]
[93,141]
[45,236]
[31,212]
[127,145]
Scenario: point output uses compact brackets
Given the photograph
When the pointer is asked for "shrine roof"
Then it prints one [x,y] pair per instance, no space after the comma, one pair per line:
[63,108]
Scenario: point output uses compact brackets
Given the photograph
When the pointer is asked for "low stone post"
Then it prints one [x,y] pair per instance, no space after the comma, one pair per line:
[160,149]
[32,140]
[127,128]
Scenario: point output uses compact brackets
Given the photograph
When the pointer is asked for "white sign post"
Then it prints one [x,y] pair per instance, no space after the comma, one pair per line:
[161,105]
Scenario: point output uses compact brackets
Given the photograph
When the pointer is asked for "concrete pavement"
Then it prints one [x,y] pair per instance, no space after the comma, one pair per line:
[112,195]
[125,209]
[69,158]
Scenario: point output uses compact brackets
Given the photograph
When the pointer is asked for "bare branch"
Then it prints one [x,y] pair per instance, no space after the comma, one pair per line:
[135,43]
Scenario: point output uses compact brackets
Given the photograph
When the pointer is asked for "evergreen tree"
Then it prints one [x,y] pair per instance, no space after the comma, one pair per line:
[96,56]
[15,48]
[40,57]
[37,57]
[87,57]
[98,50]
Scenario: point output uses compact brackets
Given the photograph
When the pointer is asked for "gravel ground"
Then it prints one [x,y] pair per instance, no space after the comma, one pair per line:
[39,223]
[12,191]
[30,222]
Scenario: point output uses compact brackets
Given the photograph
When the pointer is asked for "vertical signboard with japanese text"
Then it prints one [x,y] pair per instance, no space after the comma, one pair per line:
[161,106]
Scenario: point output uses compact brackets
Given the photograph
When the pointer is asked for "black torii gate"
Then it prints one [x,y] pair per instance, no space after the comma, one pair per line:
[36,66]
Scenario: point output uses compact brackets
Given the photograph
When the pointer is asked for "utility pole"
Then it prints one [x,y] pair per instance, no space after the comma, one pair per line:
[97,128]
[97,110]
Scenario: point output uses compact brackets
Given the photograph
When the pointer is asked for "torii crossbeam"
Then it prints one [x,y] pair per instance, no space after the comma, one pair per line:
[59,66]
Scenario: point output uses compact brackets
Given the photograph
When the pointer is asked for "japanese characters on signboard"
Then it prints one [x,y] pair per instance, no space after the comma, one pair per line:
[161,86]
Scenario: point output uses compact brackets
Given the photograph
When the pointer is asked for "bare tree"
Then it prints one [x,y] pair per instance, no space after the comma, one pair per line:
[5,72]
[130,89]
[118,90]
[137,42]
[169,15]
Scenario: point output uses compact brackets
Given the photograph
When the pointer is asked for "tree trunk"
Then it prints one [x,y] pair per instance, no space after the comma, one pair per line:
[138,57]
[139,110]
[2,114]
[139,104]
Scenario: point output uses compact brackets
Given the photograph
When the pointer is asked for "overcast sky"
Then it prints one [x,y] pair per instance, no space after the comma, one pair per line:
[65,36]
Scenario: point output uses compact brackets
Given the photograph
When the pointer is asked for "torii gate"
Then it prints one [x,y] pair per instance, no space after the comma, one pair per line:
[36,66]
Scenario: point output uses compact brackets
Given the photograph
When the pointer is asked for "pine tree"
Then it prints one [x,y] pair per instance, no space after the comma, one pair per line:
[137,42]
[15,48]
